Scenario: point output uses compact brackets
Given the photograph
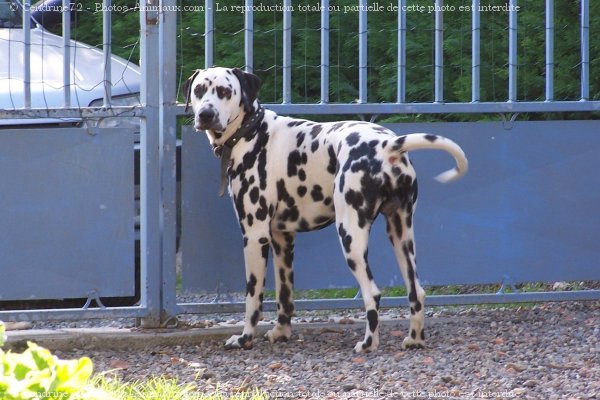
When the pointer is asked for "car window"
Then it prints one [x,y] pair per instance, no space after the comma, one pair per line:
[10,17]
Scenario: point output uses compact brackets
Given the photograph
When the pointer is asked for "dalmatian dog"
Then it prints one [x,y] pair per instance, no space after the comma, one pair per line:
[288,175]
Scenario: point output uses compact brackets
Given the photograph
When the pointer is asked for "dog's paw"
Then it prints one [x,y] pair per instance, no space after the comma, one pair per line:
[239,342]
[366,346]
[410,343]
[279,334]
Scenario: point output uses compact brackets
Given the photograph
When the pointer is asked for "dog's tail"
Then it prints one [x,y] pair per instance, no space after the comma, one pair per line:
[418,141]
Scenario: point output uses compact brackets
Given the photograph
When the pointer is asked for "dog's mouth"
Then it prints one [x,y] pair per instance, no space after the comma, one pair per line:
[214,126]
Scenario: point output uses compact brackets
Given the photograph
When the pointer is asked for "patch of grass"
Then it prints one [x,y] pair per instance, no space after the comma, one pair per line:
[162,388]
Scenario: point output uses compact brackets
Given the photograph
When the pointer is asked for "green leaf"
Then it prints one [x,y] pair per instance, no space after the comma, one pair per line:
[73,375]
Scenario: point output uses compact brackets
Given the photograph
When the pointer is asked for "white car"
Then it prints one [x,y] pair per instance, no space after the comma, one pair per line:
[46,66]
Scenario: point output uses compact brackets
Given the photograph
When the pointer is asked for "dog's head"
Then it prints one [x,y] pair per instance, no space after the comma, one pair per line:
[220,98]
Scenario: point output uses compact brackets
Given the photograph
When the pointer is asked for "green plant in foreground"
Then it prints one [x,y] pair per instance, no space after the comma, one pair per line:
[37,374]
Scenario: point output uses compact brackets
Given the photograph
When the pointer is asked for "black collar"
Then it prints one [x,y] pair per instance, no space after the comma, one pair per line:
[248,129]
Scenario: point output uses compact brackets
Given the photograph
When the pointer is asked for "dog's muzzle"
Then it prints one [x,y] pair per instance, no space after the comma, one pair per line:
[207,119]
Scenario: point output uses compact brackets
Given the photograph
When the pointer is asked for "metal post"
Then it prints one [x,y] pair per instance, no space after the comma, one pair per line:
[439,51]
[27,54]
[362,52]
[549,50]
[249,36]
[324,51]
[585,50]
[401,90]
[287,51]
[209,32]
[512,51]
[150,174]
[66,33]
[475,53]
[106,49]
[168,144]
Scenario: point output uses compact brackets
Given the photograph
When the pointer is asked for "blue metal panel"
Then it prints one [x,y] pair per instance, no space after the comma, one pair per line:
[511,217]
[67,213]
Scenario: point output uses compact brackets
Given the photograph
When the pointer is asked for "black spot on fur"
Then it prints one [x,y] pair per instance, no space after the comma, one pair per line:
[301,175]
[251,285]
[317,193]
[284,319]
[369,273]
[398,143]
[314,146]
[367,343]
[315,131]
[352,138]
[302,190]
[263,210]
[332,166]
[413,334]
[300,139]
[255,317]
[223,92]
[417,306]
[254,195]
[373,320]
[284,298]
[377,299]
[354,199]
[294,160]
[431,138]
[303,225]
[200,90]
[346,238]
[423,334]
[265,251]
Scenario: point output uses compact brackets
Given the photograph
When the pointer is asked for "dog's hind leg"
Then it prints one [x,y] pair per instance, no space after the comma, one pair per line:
[282,246]
[354,240]
[256,251]
[401,234]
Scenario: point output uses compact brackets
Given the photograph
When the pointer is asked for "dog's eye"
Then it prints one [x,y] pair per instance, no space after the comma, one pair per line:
[199,91]
[223,92]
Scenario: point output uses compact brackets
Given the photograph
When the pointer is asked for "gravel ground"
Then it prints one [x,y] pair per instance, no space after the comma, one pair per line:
[544,351]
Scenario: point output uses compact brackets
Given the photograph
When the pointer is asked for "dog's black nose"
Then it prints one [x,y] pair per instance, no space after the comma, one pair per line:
[206,115]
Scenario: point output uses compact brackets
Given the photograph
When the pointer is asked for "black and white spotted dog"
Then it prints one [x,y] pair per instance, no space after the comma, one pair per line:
[290,175]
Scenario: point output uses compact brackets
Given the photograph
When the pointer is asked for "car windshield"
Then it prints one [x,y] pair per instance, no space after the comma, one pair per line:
[10,15]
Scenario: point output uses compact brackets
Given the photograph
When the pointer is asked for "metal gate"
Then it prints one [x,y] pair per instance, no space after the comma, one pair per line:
[510,220]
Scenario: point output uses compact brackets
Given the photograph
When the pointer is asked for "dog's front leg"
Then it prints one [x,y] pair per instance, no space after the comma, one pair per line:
[256,251]
[282,245]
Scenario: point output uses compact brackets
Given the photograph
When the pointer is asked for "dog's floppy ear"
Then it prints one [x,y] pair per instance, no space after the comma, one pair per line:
[250,84]
[187,88]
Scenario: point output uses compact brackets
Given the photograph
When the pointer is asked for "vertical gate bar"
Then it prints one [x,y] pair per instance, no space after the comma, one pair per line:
[362,52]
[439,51]
[150,202]
[66,34]
[249,36]
[106,49]
[168,144]
[27,54]
[585,50]
[287,51]
[549,50]
[401,90]
[476,54]
[512,51]
[324,51]
[209,32]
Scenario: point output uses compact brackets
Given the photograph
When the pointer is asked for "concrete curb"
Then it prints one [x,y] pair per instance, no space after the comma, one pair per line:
[122,338]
